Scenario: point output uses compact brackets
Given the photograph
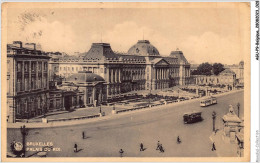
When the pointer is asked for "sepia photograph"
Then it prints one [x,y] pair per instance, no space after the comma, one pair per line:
[126,81]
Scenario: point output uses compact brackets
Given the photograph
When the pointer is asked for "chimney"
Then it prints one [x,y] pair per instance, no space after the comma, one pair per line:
[18,44]
[38,47]
[31,46]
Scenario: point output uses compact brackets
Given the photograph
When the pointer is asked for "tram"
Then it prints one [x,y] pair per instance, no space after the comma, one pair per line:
[192,117]
[208,101]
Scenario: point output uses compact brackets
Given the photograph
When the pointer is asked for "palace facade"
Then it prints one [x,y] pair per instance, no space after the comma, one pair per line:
[141,68]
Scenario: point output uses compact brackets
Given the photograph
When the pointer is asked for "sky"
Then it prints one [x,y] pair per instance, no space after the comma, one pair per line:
[217,34]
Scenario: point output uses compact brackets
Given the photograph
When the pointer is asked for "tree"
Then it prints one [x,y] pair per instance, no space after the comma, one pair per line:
[217,68]
[204,69]
[194,72]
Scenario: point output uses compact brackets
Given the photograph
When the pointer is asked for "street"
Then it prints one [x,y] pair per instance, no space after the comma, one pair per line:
[127,131]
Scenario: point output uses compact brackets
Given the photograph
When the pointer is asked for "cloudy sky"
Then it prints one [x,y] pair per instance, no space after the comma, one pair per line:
[204,34]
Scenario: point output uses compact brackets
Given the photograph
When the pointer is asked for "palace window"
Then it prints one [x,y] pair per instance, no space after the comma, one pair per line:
[39,66]
[26,66]
[19,66]
[18,108]
[45,66]
[33,66]
[19,85]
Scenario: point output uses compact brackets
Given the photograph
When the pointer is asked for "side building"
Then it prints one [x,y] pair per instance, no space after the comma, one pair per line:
[27,81]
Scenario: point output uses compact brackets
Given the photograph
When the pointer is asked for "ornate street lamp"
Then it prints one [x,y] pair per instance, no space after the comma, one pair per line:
[214,118]
[150,97]
[24,132]
[238,109]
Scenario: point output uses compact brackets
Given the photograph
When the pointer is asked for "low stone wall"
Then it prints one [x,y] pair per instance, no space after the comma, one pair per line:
[70,119]
[148,106]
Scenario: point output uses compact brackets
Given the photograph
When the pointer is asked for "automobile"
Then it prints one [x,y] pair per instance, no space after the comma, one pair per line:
[192,117]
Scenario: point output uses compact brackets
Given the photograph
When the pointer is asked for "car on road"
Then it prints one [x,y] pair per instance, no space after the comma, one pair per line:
[192,117]
[208,101]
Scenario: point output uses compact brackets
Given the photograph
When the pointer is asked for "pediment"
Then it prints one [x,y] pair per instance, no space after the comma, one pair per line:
[161,62]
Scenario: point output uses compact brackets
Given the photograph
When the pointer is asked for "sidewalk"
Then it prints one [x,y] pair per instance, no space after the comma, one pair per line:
[223,146]
[95,110]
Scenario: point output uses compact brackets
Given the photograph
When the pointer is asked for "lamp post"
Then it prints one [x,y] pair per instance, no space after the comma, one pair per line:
[238,109]
[100,109]
[150,98]
[214,118]
[24,132]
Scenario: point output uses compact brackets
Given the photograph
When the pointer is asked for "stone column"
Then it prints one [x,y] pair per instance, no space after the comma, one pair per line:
[115,76]
[100,96]
[120,75]
[43,78]
[77,101]
[197,91]
[94,96]
[108,86]
[23,83]
[30,74]
[165,73]
[36,73]
[161,74]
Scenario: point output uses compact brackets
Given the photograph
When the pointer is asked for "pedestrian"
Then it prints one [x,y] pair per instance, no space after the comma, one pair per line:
[178,140]
[161,148]
[121,152]
[158,145]
[83,135]
[141,147]
[213,146]
[75,148]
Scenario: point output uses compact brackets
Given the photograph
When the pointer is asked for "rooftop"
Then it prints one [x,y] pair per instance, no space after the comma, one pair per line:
[85,76]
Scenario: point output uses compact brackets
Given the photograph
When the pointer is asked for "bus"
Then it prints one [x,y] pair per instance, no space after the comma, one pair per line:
[192,117]
[208,101]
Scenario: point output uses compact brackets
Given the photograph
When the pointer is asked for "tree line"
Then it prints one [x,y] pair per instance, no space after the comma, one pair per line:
[208,69]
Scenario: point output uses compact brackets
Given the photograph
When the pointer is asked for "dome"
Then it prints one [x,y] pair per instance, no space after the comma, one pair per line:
[144,48]
[85,76]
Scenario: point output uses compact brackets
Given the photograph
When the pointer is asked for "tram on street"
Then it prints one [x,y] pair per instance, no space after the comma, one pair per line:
[208,101]
[192,117]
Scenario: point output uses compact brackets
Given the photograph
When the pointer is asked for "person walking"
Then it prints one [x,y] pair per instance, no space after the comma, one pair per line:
[178,140]
[161,148]
[83,135]
[75,148]
[213,146]
[158,145]
[141,147]
[121,152]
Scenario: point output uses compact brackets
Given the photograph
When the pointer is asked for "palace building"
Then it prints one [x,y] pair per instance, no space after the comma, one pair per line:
[27,81]
[141,68]
[89,79]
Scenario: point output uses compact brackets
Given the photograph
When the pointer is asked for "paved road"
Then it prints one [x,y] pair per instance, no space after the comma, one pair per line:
[105,138]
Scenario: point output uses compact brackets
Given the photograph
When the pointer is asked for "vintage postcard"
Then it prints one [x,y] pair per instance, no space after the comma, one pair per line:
[126,81]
